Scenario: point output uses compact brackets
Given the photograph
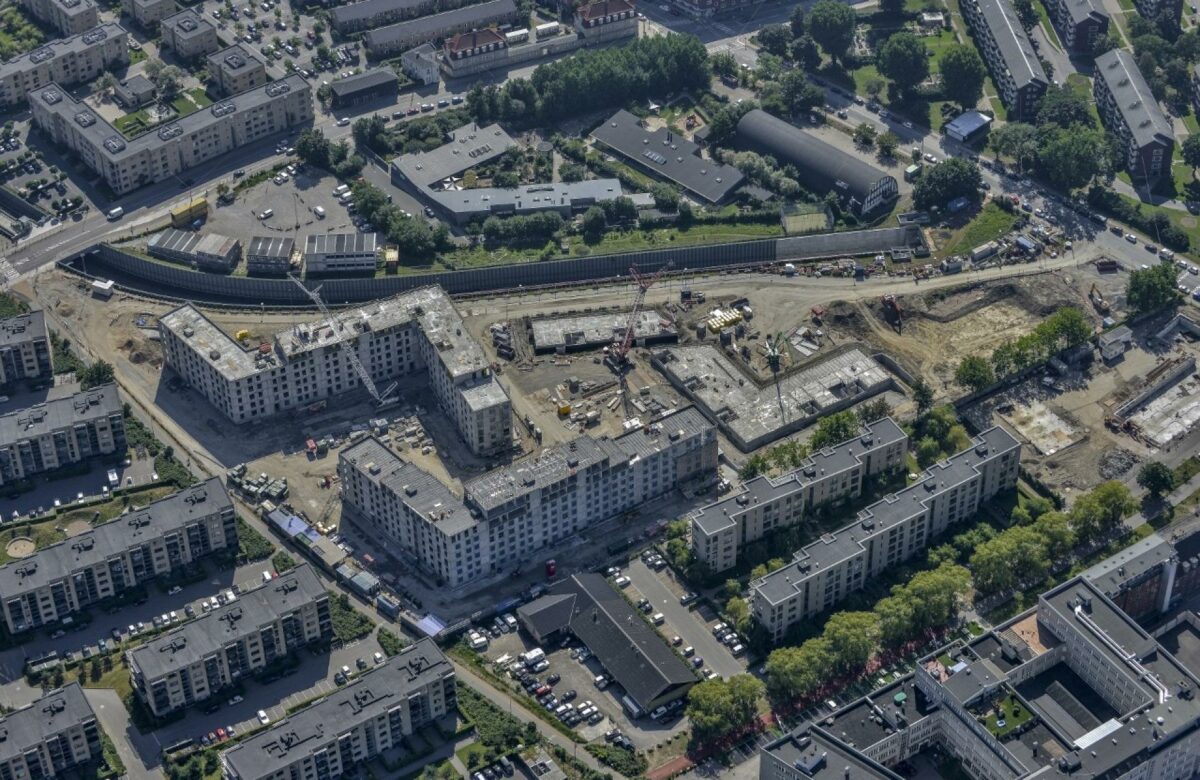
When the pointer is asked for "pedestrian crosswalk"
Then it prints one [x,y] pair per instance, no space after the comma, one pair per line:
[7,272]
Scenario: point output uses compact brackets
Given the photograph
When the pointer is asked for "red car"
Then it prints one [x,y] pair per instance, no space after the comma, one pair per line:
[221,735]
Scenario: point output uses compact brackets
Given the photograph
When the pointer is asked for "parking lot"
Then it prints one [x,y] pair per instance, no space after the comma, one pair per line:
[687,622]
[580,677]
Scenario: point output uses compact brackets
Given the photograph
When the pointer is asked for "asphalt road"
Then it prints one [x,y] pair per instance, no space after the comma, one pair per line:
[683,621]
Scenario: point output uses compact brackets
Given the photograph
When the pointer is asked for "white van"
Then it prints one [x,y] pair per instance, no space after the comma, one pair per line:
[319,211]
[340,190]
[658,618]
[267,214]
[116,213]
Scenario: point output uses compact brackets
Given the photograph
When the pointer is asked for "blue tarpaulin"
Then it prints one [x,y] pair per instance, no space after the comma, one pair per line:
[291,525]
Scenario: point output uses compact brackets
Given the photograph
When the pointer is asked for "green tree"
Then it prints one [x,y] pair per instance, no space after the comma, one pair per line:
[1152,289]
[864,134]
[799,95]
[1066,107]
[935,594]
[922,394]
[940,184]
[805,52]
[1025,12]
[754,465]
[928,451]
[1056,532]
[792,672]
[888,143]
[1070,158]
[1155,478]
[963,75]
[895,617]
[593,224]
[98,373]
[834,429]
[1017,141]
[776,39]
[974,373]
[796,21]
[722,63]
[718,707]
[853,638]
[831,24]
[904,59]
[874,410]
[737,611]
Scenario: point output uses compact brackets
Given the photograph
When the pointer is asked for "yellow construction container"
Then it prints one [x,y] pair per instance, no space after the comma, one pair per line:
[243,335]
[186,213]
[564,409]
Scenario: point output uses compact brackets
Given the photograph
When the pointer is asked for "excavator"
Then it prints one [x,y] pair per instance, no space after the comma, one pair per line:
[1098,300]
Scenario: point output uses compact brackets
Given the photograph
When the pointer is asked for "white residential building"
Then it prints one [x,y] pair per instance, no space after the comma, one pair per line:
[69,61]
[418,331]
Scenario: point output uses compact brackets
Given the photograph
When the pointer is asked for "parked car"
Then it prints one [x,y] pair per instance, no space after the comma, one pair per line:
[236,700]
[262,717]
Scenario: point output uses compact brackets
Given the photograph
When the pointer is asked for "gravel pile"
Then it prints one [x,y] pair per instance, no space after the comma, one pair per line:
[1116,463]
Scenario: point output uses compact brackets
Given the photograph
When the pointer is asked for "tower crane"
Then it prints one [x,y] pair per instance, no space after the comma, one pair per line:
[385,398]
[776,348]
[619,353]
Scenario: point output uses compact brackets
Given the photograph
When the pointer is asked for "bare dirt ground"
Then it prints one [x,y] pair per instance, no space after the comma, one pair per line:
[21,547]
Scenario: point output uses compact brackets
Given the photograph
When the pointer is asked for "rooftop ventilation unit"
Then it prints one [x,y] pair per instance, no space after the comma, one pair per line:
[41,55]
[85,119]
[172,130]
[114,144]
[224,108]
[94,36]
[187,24]
[235,60]
[51,96]
[278,88]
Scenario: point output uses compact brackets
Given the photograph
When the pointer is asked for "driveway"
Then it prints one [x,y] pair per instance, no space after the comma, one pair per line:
[115,722]
[682,621]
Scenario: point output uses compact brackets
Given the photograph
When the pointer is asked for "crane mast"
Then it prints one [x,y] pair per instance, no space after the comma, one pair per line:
[351,354]
[620,349]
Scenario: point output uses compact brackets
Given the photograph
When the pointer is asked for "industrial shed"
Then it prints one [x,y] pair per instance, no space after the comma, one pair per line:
[209,252]
[822,168]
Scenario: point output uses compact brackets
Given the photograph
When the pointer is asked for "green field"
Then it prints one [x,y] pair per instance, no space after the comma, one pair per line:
[989,224]
[1012,712]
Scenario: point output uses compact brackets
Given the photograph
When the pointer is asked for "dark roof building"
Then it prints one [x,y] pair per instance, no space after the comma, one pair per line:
[270,254]
[1005,46]
[1080,23]
[426,29]
[822,168]
[668,155]
[374,84]
[631,652]
[1130,112]
[49,736]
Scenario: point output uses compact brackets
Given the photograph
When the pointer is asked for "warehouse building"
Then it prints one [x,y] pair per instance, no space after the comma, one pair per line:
[237,640]
[365,14]
[722,529]
[1010,57]
[170,149]
[821,168]
[153,541]
[236,69]
[389,41]
[207,252]
[477,204]
[270,255]
[510,513]
[25,348]
[1131,113]
[189,35]
[69,17]
[56,735]
[75,60]
[371,85]
[149,13]
[369,716]
[902,525]
[415,332]
[588,608]
[1080,23]
[665,154]
[48,436]
[341,253]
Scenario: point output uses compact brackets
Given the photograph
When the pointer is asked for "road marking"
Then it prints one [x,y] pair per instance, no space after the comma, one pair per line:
[9,273]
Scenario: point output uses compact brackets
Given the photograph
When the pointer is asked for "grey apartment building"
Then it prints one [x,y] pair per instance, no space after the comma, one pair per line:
[153,541]
[199,659]
[236,69]
[61,432]
[25,348]
[52,736]
[148,13]
[1009,55]
[1080,23]
[69,17]
[178,146]
[417,331]
[395,38]
[1131,113]
[888,532]
[69,61]
[721,529]
[509,513]
[1152,9]
[189,35]
[367,717]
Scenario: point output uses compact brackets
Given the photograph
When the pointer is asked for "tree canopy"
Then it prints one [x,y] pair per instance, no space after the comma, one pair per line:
[963,75]
[974,373]
[831,24]
[1152,289]
[904,59]
[717,707]
[1156,478]
[953,178]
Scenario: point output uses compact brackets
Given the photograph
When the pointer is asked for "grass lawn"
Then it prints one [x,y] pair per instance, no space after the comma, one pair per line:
[989,224]
[137,55]
[102,513]
[133,124]
[43,534]
[200,97]
[1011,711]
[474,749]
[116,678]
[1082,84]
[1189,121]
[1181,219]
[1044,20]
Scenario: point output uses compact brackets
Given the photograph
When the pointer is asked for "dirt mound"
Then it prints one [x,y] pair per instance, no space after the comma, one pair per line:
[21,547]
[65,309]
[1116,462]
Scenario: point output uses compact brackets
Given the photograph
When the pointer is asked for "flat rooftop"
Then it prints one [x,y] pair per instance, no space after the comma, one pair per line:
[62,47]
[59,413]
[466,147]
[112,539]
[753,412]
[598,329]
[815,754]
[527,198]
[23,328]
[33,724]
[208,634]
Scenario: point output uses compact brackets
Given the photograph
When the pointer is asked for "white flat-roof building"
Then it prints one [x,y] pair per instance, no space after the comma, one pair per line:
[68,61]
[61,432]
[148,13]
[721,529]
[417,331]
[890,531]
[69,17]
[508,514]
[341,253]
[25,348]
